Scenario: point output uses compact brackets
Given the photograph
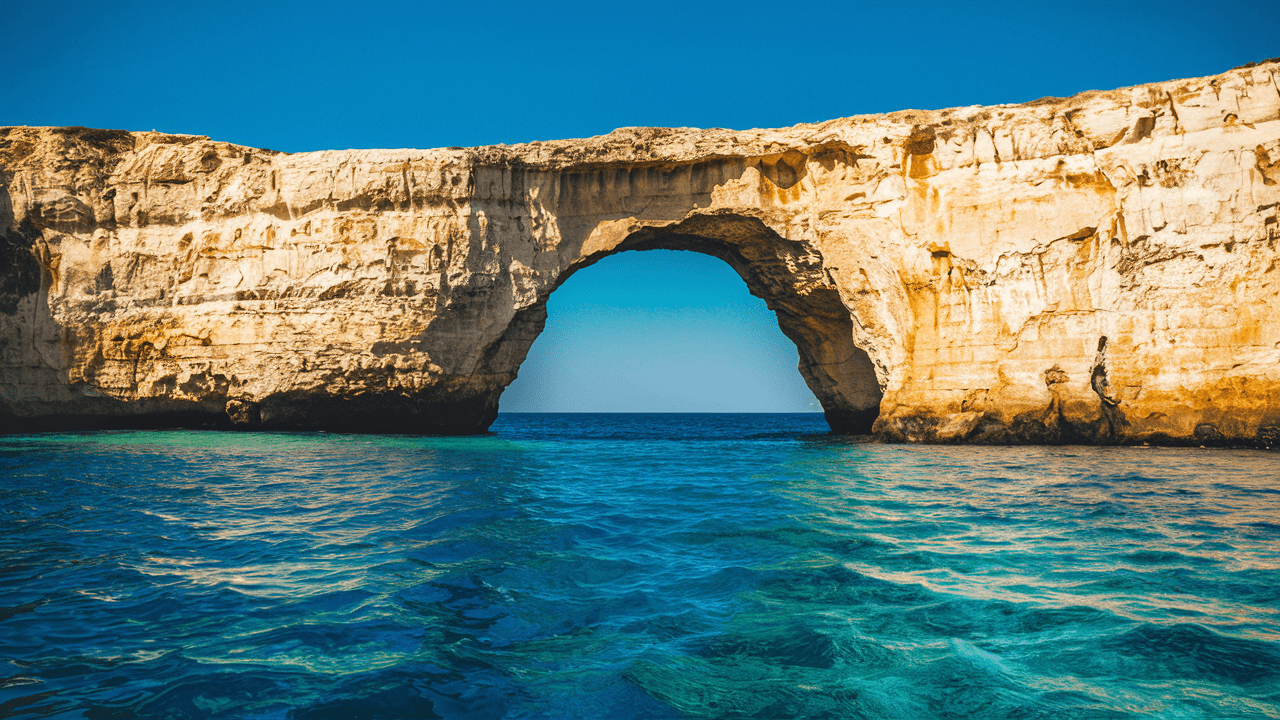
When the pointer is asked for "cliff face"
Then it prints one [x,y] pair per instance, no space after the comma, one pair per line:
[1095,269]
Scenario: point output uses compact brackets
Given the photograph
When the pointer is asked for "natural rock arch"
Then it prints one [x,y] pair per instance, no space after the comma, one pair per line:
[971,260]
[809,311]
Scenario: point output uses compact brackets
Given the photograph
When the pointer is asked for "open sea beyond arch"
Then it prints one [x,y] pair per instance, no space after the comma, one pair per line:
[633,566]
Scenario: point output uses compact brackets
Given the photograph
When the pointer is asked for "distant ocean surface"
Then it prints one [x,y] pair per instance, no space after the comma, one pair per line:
[633,566]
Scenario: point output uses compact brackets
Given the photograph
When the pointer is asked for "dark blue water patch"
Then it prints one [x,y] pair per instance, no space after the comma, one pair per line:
[632,566]
[1180,650]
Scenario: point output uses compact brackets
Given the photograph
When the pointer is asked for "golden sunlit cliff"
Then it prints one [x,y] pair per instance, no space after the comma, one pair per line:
[1101,268]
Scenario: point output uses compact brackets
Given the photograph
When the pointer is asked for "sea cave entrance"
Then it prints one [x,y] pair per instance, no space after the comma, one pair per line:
[806,308]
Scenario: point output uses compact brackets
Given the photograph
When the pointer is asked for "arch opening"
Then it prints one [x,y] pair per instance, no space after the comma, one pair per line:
[659,331]
[790,280]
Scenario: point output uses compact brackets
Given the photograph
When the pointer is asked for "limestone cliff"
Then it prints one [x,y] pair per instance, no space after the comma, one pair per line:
[1101,268]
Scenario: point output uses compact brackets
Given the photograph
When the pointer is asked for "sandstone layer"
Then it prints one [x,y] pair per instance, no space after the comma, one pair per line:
[1101,268]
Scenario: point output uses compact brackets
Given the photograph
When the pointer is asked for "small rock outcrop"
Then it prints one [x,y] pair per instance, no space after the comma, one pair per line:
[1100,269]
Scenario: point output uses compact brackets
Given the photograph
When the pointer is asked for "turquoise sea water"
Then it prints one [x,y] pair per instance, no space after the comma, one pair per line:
[633,566]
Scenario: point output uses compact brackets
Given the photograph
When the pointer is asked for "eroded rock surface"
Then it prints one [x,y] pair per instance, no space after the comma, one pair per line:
[1101,268]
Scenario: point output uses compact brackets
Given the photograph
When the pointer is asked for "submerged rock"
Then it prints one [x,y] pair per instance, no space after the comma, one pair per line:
[947,276]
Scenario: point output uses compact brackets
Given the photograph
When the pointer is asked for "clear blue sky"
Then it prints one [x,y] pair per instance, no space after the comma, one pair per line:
[659,331]
[299,76]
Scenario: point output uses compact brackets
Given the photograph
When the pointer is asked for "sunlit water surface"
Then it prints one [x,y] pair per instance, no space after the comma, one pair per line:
[633,566]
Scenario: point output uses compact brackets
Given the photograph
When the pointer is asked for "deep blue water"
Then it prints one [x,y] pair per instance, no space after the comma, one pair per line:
[633,566]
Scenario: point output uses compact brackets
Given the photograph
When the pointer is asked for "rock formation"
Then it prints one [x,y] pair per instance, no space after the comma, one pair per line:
[1101,268]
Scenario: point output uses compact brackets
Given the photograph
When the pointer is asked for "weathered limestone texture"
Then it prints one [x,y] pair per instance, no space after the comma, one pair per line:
[1101,268]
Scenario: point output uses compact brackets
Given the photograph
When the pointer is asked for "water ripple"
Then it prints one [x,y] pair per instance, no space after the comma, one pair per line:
[632,566]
